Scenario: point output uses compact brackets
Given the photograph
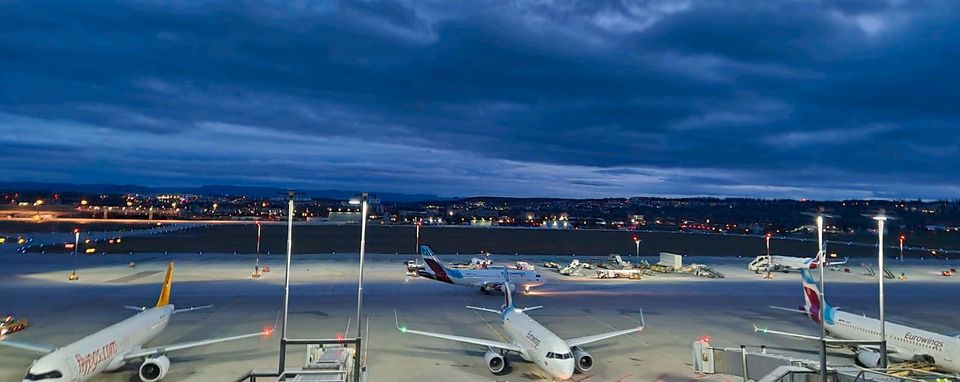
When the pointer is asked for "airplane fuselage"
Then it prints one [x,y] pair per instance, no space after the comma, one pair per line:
[103,350]
[539,345]
[523,279]
[944,349]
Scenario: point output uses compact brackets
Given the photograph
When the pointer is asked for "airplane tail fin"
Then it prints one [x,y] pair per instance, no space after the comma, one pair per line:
[439,272]
[811,298]
[164,299]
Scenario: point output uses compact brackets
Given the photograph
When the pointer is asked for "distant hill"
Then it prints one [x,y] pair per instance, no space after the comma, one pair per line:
[252,191]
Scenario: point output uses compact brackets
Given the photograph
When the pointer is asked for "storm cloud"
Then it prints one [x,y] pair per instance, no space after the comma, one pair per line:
[817,99]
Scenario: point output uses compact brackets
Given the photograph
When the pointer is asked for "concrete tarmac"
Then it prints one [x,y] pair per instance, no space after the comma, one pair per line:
[678,311]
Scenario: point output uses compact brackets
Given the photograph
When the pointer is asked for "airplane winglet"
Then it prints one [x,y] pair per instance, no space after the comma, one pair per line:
[396,320]
[643,323]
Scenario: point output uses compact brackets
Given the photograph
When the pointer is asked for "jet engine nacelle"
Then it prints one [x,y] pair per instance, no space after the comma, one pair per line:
[868,358]
[154,369]
[583,360]
[495,362]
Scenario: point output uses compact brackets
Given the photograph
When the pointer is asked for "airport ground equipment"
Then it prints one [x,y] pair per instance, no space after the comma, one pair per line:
[551,265]
[702,271]
[412,267]
[525,266]
[760,263]
[633,274]
[575,268]
[12,325]
[614,261]
[671,260]
[871,272]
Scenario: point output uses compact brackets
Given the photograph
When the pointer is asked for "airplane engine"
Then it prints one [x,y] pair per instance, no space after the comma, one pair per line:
[154,368]
[868,358]
[495,362]
[584,361]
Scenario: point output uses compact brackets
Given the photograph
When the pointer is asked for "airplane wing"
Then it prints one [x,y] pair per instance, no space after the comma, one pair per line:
[484,309]
[794,310]
[160,350]
[36,348]
[469,340]
[832,263]
[600,337]
[757,329]
[192,309]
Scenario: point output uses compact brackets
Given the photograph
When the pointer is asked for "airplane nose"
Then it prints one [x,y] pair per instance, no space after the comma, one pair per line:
[565,372]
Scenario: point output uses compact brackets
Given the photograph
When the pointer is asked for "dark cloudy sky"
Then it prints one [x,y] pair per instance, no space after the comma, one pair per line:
[817,99]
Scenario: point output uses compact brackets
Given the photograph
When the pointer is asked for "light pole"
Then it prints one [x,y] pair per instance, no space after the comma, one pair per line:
[286,284]
[256,268]
[769,259]
[76,243]
[822,259]
[903,238]
[636,240]
[363,245]
[417,249]
[883,324]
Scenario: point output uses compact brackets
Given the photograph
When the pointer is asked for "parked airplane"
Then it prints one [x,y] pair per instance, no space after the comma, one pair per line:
[112,347]
[785,264]
[487,279]
[904,343]
[533,342]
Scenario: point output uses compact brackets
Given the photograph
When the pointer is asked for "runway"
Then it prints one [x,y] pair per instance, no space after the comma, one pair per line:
[678,310]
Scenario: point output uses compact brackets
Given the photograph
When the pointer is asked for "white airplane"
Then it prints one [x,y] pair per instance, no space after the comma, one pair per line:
[487,279]
[112,347]
[533,342]
[904,343]
[785,264]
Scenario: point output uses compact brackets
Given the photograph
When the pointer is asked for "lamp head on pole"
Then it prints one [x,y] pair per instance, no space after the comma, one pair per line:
[357,200]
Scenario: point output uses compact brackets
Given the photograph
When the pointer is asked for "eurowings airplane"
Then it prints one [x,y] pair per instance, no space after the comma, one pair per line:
[112,347]
[487,279]
[786,264]
[904,343]
[533,342]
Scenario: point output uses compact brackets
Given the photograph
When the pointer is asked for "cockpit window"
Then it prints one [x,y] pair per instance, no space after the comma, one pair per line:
[43,376]
[559,356]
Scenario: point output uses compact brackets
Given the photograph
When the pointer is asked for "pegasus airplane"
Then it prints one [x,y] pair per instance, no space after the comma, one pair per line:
[111,348]
[533,342]
[487,279]
[904,343]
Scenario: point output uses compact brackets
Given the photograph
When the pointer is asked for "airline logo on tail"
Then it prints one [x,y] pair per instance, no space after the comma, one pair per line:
[438,271]
[164,299]
[811,299]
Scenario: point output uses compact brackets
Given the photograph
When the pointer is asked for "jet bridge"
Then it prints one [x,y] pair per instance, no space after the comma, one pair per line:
[767,367]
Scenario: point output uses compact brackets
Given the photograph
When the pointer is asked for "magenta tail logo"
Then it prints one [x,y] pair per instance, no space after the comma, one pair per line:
[438,270]
[813,302]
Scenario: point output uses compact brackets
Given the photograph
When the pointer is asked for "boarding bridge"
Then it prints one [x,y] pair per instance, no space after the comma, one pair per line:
[767,367]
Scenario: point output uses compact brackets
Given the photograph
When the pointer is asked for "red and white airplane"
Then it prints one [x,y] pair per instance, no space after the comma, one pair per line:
[116,345]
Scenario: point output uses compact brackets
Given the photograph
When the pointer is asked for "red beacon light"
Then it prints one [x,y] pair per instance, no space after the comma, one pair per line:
[704,339]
